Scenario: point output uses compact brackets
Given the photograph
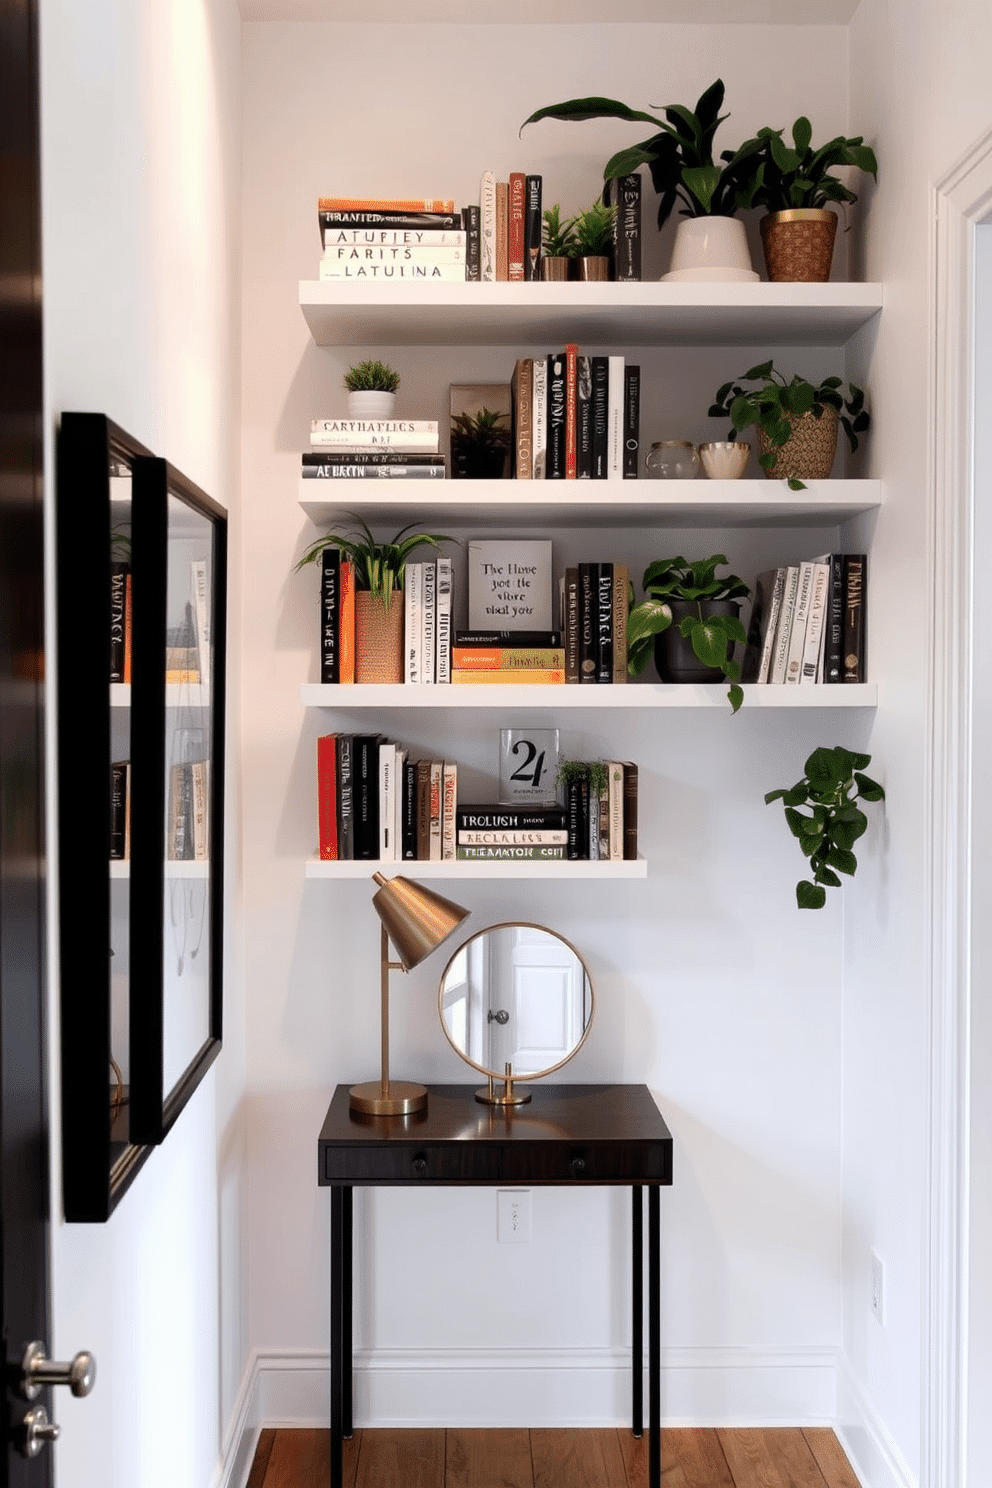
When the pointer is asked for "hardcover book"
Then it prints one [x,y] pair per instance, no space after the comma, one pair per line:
[783,629]
[330,592]
[443,621]
[600,416]
[571,355]
[317,461]
[365,775]
[120,811]
[621,614]
[765,604]
[509,818]
[502,225]
[539,414]
[399,237]
[384,204]
[510,854]
[522,392]
[552,638]
[387,801]
[833,656]
[391,253]
[629,810]
[428,652]
[509,584]
[812,668]
[346,797]
[583,415]
[514,837]
[532,228]
[487,225]
[326,220]
[449,801]
[855,569]
[507,658]
[515,677]
[423,804]
[626,197]
[615,419]
[413,624]
[800,618]
[408,809]
[473,265]
[327,798]
[515,232]
[588,610]
[367,272]
[631,422]
[118,592]
[604,622]
[436,806]
[571,624]
[554,468]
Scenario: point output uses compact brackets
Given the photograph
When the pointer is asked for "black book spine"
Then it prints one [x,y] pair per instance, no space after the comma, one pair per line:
[532,227]
[330,648]
[508,819]
[855,573]
[555,464]
[577,824]
[366,777]
[833,646]
[118,616]
[626,195]
[118,810]
[571,625]
[600,406]
[629,809]
[631,421]
[318,459]
[346,797]
[408,839]
[388,219]
[583,414]
[588,604]
[604,622]
[471,220]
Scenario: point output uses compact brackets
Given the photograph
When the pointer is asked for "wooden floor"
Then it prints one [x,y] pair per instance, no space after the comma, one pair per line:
[750,1458]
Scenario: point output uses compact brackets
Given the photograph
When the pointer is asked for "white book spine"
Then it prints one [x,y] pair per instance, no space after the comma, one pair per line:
[362,440]
[615,770]
[539,418]
[487,228]
[395,253]
[783,631]
[429,237]
[368,273]
[444,582]
[771,625]
[201,610]
[412,610]
[387,802]
[595,806]
[449,802]
[356,428]
[797,637]
[437,811]
[428,652]
[813,650]
[614,420]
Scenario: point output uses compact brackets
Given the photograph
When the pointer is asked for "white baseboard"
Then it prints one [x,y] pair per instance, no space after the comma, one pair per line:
[870,1449]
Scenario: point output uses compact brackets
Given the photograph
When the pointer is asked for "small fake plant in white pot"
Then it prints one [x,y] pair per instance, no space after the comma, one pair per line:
[371,386]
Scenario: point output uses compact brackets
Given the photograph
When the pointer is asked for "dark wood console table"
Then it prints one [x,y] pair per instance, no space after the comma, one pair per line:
[568,1134]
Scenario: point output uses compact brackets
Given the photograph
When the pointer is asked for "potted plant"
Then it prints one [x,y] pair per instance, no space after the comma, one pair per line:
[679,156]
[795,185]
[557,243]
[690,620]
[829,828]
[371,389]
[796,421]
[379,569]
[594,232]
[480,443]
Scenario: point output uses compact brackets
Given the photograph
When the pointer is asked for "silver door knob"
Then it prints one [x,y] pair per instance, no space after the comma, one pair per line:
[37,1430]
[501,1017]
[38,1370]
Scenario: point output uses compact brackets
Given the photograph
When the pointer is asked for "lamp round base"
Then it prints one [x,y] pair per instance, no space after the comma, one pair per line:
[509,1097]
[404,1096]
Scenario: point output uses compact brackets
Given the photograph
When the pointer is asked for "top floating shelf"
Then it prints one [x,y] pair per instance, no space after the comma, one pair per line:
[645,314]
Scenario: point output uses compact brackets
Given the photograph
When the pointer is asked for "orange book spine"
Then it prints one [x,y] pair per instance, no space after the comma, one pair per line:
[496,658]
[346,626]
[518,675]
[384,204]
[571,410]
[502,225]
[327,798]
[515,226]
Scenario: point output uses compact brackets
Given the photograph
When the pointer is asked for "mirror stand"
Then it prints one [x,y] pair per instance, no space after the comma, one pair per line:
[511,1095]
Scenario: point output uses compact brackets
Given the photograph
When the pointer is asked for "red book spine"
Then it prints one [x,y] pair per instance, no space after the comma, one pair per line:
[571,410]
[327,797]
[515,226]
[347,625]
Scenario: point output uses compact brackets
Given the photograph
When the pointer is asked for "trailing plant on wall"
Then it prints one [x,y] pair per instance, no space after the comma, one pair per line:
[822,815]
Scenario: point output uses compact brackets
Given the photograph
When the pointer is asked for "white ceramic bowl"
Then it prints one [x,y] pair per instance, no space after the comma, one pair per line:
[724,460]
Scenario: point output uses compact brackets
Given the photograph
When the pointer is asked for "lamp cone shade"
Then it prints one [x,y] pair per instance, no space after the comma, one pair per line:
[415,918]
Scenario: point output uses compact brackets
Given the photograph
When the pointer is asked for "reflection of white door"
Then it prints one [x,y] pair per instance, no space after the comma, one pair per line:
[546,1002]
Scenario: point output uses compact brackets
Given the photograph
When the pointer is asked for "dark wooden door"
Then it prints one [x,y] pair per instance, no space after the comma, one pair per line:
[23,1127]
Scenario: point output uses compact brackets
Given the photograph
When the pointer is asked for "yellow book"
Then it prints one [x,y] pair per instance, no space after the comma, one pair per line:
[519,675]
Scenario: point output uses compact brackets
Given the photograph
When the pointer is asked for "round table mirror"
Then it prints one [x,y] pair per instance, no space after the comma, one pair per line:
[516,1002]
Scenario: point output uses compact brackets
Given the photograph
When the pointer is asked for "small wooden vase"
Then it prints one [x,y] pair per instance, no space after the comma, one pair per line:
[378,638]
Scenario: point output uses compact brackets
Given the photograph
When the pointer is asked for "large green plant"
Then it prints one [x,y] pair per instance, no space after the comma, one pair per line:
[379,566]
[821,812]
[801,176]
[679,154]
[711,636]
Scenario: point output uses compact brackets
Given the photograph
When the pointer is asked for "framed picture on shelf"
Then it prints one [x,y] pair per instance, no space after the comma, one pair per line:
[528,767]
[481,430]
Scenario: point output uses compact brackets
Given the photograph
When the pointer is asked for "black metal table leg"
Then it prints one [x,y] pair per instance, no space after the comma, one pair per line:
[654,1336]
[347,1353]
[337,1339]
[637,1302]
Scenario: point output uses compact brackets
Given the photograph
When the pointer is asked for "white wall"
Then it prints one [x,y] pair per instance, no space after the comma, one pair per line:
[141,182]
[714,990]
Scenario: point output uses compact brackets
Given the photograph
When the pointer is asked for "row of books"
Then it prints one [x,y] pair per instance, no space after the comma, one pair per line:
[601,810]
[808,622]
[498,239]
[575,417]
[374,449]
[375,802]
[188,823]
[594,601]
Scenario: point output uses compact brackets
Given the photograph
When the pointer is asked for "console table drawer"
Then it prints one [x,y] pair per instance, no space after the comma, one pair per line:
[455,1162]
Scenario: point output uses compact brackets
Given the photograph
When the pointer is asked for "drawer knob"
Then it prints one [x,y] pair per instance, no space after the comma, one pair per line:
[578,1166]
[420,1166]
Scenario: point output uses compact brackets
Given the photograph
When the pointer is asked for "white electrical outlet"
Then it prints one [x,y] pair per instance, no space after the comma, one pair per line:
[877,1288]
[513,1216]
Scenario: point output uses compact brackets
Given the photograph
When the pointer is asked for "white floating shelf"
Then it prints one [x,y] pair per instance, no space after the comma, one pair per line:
[645,314]
[631,503]
[557,698]
[121,868]
[177,695]
[522,868]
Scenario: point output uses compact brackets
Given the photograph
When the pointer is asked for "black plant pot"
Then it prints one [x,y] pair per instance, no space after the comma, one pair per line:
[674,658]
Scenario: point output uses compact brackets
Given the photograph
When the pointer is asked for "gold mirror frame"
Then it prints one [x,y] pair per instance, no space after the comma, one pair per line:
[502,1089]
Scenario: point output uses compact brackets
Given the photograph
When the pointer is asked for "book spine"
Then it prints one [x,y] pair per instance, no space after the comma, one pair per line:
[346,797]
[317,460]
[384,204]
[783,630]
[532,228]
[395,253]
[355,428]
[119,801]
[629,810]
[614,419]
[600,416]
[506,658]
[583,416]
[539,417]
[522,837]
[367,273]
[813,650]
[372,472]
[360,440]
[445,580]
[327,797]
[597,815]
[571,624]
[449,799]
[522,389]
[631,422]
[408,838]
[413,609]
[423,798]
[514,676]
[128,584]
[833,652]
[396,220]
[366,795]
[394,237]
[626,196]
[346,622]
[509,819]
[588,607]
[513,638]
[435,801]
[387,802]
[487,210]
[571,355]
[429,644]
[330,566]
[118,604]
[555,467]
[614,770]
[509,854]
[473,265]
[855,568]
[769,623]
[502,227]
[621,611]
[577,807]
[515,270]
[604,622]
[797,636]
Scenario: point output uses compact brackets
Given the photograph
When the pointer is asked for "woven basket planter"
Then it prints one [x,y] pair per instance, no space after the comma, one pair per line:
[799,245]
[808,454]
[378,638]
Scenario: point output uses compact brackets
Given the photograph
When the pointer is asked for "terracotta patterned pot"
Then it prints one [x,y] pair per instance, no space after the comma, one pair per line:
[799,244]
[378,638]
[808,454]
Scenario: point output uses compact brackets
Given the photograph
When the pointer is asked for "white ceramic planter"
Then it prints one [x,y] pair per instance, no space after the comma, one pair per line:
[371,404]
[710,248]
[724,459]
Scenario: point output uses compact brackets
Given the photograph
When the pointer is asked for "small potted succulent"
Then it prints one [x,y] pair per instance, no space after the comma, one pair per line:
[831,823]
[371,387]
[795,184]
[557,243]
[796,421]
[594,232]
[480,444]
[690,620]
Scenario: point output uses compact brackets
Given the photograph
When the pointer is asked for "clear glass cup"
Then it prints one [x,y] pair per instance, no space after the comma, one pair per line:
[672,459]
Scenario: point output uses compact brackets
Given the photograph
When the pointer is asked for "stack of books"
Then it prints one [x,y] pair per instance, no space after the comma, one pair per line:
[508,656]
[808,622]
[576,417]
[594,600]
[368,239]
[506,833]
[601,810]
[373,449]
[376,803]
